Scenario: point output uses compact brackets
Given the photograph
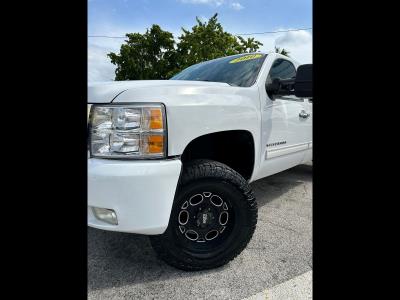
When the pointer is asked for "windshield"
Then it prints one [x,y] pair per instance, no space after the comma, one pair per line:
[238,70]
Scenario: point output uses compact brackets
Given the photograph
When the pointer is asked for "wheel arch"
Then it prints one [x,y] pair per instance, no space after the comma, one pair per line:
[235,148]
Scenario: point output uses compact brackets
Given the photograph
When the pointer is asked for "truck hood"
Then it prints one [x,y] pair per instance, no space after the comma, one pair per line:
[148,90]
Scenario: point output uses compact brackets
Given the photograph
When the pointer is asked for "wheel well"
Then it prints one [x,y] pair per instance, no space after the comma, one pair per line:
[235,148]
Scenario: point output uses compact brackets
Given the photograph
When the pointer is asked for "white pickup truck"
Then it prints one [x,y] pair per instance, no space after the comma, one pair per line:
[173,159]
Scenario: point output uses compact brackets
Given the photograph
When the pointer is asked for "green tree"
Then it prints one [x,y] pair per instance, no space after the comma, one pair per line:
[282,51]
[249,45]
[208,40]
[155,55]
[150,55]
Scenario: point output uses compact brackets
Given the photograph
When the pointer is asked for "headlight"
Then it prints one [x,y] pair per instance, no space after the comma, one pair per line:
[128,131]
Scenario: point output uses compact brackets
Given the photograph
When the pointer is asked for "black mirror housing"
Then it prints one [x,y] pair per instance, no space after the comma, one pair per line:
[303,87]
[273,88]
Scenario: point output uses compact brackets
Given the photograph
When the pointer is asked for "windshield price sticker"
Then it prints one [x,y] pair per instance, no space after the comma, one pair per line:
[245,57]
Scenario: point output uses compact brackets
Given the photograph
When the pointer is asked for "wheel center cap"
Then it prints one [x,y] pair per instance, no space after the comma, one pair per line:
[204,219]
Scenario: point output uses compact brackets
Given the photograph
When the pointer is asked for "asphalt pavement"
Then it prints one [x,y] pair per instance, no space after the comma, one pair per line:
[279,256]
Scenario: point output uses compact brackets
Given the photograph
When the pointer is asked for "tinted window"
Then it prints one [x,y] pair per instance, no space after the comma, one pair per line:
[281,69]
[239,70]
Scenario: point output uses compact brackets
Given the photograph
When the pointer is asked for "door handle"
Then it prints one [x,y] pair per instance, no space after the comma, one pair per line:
[303,114]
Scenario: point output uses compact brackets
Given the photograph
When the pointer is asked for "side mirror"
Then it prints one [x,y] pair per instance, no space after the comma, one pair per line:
[280,87]
[303,82]
[273,87]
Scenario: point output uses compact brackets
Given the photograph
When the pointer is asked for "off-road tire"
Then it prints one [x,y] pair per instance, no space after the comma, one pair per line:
[209,176]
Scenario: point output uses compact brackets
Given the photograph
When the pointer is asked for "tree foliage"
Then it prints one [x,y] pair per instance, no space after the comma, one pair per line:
[145,56]
[208,40]
[282,51]
[156,55]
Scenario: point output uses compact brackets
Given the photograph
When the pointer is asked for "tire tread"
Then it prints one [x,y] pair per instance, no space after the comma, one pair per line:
[200,169]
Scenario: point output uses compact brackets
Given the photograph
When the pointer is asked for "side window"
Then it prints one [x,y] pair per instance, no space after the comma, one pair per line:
[282,69]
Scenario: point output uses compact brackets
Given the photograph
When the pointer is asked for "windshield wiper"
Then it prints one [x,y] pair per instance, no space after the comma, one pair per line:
[231,84]
[206,80]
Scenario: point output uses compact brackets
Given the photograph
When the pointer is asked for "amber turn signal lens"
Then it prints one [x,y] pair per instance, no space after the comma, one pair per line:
[155,143]
[156,121]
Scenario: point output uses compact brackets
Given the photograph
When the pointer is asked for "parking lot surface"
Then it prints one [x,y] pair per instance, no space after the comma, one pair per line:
[124,266]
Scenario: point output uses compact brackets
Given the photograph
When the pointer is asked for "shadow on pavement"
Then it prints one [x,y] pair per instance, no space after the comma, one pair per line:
[269,188]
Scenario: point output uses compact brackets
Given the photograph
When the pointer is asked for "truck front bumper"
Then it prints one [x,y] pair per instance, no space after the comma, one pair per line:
[140,192]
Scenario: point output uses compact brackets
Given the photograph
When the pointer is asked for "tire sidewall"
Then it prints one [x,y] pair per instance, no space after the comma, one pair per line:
[241,227]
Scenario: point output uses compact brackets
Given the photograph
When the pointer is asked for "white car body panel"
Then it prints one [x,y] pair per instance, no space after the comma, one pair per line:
[140,192]
[197,109]
[281,124]
[193,109]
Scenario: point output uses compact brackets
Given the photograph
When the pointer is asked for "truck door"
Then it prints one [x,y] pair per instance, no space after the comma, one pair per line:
[308,130]
[285,124]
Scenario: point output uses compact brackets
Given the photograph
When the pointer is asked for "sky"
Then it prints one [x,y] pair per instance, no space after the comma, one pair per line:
[118,17]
